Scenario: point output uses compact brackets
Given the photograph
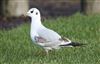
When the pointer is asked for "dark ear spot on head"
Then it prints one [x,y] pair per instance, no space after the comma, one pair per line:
[31,11]
[36,13]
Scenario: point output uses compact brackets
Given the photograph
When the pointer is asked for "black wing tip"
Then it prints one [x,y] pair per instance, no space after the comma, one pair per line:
[74,44]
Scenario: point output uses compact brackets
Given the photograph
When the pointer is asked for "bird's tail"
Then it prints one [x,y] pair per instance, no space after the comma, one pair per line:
[73,44]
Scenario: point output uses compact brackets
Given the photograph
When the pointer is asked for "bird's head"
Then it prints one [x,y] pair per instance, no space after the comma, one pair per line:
[34,13]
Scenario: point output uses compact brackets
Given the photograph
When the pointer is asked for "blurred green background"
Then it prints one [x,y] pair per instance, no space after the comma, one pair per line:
[79,20]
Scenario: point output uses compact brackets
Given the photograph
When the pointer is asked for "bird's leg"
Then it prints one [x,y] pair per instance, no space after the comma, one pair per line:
[47,49]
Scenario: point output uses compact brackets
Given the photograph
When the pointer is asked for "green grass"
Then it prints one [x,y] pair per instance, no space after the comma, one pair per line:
[16,46]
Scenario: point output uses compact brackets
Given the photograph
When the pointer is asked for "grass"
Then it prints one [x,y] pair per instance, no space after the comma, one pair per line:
[16,46]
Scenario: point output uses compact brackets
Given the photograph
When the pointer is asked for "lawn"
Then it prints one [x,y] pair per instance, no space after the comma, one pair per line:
[16,46]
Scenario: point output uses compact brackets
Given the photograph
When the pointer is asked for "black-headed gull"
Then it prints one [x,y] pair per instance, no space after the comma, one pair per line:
[45,37]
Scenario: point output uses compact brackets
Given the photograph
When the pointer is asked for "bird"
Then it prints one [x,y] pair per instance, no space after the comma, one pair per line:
[46,38]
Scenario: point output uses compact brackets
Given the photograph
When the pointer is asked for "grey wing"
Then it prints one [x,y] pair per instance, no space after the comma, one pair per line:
[52,38]
[49,35]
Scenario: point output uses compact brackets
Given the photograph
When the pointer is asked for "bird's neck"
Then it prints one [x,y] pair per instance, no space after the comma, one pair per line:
[36,25]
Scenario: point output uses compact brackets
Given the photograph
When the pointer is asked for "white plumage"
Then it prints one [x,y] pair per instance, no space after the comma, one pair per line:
[43,36]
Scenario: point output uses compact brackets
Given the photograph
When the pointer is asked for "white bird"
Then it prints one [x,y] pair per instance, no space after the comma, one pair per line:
[46,38]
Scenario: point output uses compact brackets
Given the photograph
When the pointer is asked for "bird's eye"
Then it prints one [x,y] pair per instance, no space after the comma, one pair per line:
[31,11]
[36,13]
